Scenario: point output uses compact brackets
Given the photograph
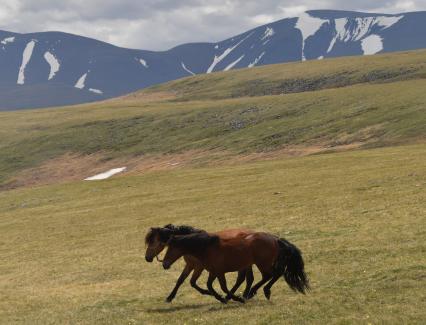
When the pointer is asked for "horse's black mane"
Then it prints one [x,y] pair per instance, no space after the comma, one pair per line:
[169,230]
[182,230]
[194,242]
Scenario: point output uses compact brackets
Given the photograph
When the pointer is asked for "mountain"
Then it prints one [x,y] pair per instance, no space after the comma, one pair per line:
[54,68]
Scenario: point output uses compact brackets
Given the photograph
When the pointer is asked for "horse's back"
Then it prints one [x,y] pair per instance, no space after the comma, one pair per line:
[233,233]
[264,248]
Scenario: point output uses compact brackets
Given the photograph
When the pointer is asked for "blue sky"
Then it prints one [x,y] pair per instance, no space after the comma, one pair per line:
[161,24]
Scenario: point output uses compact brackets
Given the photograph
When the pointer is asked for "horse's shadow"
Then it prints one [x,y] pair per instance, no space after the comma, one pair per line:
[209,307]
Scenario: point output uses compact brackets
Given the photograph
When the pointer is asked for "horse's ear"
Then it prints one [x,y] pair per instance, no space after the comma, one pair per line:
[165,234]
[149,236]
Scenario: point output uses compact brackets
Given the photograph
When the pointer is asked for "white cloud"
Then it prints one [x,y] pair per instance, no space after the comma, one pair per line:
[161,24]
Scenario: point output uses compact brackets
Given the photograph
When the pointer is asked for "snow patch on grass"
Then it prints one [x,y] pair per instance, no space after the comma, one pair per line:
[106,174]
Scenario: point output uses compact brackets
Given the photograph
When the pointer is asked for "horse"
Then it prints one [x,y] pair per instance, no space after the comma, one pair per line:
[157,238]
[274,257]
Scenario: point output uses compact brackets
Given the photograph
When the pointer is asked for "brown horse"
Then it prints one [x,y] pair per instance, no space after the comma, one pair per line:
[157,238]
[273,256]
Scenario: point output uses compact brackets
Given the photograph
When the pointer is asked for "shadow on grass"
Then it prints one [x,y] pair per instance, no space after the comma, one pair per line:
[213,306]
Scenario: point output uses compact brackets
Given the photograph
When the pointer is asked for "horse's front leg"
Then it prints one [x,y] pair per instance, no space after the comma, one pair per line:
[222,281]
[186,271]
[210,281]
[240,279]
[194,278]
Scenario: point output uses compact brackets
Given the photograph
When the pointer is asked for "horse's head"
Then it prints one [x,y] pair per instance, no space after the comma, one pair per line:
[156,240]
[174,252]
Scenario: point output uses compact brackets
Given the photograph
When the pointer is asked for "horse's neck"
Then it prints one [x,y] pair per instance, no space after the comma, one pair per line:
[198,254]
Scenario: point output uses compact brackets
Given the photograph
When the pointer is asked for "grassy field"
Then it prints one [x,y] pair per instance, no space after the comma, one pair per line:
[353,102]
[74,253]
[329,154]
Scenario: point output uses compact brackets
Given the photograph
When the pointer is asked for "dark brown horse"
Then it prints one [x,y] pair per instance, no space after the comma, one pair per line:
[157,238]
[274,257]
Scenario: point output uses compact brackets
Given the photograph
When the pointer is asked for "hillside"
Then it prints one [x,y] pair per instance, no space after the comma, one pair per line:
[287,109]
[74,253]
[53,68]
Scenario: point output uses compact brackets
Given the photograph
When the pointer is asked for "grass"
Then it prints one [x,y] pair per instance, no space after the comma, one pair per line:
[73,253]
[297,77]
[374,101]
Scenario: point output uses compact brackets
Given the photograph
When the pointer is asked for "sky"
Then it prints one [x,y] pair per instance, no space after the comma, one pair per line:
[162,24]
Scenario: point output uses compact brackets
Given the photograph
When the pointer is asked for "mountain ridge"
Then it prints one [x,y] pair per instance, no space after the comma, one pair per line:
[99,70]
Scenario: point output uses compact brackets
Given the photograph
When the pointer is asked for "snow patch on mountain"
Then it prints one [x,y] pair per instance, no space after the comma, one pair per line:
[80,84]
[53,62]
[8,40]
[308,26]
[359,28]
[230,66]
[256,61]
[372,44]
[387,22]
[143,62]
[96,91]
[269,32]
[225,53]
[186,69]
[26,57]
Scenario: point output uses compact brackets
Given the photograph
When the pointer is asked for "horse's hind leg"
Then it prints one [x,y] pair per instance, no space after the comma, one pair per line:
[267,288]
[249,282]
[230,295]
[186,271]
[265,278]
[194,278]
[211,289]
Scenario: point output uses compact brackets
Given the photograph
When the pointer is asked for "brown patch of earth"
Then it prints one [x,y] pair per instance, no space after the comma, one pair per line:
[74,167]
[147,97]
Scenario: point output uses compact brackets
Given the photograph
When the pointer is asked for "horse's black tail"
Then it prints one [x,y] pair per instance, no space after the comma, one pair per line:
[290,264]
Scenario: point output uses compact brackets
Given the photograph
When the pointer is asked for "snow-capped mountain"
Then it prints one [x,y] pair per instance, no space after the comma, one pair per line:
[54,68]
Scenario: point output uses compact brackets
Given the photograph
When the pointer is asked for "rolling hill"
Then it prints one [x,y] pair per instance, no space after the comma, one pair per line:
[285,109]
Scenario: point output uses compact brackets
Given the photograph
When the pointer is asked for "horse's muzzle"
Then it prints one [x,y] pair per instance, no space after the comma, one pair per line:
[166,265]
[149,259]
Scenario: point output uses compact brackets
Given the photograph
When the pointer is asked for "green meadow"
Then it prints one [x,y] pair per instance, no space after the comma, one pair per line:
[72,252]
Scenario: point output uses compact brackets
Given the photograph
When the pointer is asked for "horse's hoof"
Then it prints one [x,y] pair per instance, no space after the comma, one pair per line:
[267,293]
[251,295]
[169,299]
[239,299]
